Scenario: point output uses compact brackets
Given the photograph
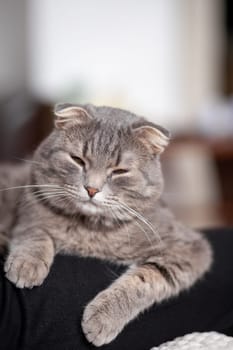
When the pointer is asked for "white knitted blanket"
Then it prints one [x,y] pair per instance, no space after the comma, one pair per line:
[199,341]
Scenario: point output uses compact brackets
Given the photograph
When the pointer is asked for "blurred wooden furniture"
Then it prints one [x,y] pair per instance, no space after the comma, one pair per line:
[221,150]
[20,142]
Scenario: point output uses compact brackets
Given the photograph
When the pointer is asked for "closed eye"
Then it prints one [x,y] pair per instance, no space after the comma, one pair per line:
[120,171]
[78,160]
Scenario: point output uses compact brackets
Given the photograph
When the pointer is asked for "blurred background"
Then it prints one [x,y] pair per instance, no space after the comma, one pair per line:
[169,60]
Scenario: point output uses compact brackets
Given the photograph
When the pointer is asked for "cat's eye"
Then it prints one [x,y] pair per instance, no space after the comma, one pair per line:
[120,171]
[78,160]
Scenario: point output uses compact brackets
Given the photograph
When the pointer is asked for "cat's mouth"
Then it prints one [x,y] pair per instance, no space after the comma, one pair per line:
[92,207]
[91,202]
[97,206]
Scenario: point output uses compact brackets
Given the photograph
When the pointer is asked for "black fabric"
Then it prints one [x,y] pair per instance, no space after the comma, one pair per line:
[49,317]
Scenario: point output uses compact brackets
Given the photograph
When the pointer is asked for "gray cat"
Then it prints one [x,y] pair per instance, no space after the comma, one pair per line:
[93,188]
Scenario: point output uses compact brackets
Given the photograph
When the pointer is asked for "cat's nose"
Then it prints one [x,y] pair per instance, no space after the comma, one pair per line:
[91,191]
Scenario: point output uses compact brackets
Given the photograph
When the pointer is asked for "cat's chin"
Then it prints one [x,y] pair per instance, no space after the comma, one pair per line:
[89,208]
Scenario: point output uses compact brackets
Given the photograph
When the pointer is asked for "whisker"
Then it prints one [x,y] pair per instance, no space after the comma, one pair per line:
[42,192]
[43,198]
[126,227]
[144,231]
[28,186]
[40,197]
[115,217]
[143,219]
[49,195]
[48,192]
[112,272]
[140,217]
[72,195]
[28,160]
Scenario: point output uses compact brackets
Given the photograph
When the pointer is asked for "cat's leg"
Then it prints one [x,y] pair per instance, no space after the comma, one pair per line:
[154,280]
[31,253]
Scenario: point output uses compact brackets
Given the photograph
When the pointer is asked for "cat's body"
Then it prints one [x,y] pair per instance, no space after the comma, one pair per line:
[94,190]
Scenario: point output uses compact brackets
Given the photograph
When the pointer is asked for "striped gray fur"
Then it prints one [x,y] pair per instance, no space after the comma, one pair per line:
[126,222]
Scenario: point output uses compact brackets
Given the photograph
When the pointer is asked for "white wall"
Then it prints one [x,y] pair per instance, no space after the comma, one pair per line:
[157,57]
[12,46]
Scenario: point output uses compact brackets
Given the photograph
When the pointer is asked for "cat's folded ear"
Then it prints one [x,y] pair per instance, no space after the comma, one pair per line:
[68,115]
[154,137]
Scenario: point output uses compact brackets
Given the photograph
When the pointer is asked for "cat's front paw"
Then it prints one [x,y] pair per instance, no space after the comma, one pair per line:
[103,319]
[25,271]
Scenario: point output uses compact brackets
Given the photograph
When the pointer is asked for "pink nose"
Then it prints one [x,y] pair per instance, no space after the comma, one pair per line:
[91,191]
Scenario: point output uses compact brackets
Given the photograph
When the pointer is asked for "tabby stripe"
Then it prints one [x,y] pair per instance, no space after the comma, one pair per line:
[118,158]
[50,172]
[147,178]
[85,148]
[54,209]
[163,271]
[50,152]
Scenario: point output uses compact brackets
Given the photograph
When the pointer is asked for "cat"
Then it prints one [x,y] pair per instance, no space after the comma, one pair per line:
[93,188]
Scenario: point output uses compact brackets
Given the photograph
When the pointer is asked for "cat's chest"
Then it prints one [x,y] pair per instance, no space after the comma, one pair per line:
[114,244]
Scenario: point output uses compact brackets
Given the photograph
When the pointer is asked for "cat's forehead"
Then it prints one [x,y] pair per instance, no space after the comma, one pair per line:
[111,115]
[107,134]
[104,141]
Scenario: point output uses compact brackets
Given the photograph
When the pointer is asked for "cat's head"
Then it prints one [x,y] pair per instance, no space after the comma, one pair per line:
[100,161]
